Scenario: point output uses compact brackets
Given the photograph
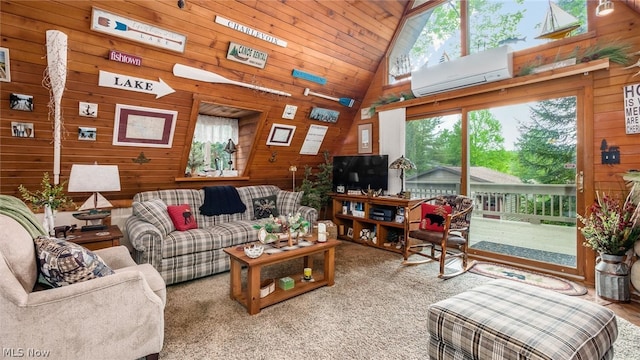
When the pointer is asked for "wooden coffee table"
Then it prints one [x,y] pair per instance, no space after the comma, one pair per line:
[249,296]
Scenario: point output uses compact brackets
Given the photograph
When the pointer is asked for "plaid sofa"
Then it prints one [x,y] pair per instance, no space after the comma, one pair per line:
[504,319]
[184,255]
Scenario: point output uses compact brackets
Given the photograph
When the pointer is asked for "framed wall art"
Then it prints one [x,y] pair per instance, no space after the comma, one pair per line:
[20,129]
[5,71]
[21,102]
[87,133]
[325,115]
[364,138]
[281,135]
[142,126]
[116,25]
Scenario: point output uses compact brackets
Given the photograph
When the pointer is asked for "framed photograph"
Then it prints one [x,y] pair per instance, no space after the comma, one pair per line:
[364,138]
[281,135]
[350,232]
[21,102]
[325,115]
[20,129]
[87,109]
[5,71]
[134,30]
[87,133]
[142,126]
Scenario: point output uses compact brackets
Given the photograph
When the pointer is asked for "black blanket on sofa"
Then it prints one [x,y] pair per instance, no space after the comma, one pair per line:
[221,200]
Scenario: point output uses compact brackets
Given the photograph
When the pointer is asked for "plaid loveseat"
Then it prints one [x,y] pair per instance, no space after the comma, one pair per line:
[184,255]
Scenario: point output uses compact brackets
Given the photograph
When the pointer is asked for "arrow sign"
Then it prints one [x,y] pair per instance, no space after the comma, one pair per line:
[125,82]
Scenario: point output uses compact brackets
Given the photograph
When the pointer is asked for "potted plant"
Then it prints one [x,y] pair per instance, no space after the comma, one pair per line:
[611,228]
[317,189]
[49,197]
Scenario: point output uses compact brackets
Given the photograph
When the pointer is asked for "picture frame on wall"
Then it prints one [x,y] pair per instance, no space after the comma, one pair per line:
[281,135]
[5,65]
[364,138]
[143,126]
[325,115]
[87,133]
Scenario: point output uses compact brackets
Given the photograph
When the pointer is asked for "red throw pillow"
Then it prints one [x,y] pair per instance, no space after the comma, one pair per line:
[182,217]
[433,217]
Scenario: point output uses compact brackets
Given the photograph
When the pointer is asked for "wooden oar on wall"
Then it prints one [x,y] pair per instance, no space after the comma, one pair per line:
[192,73]
[344,101]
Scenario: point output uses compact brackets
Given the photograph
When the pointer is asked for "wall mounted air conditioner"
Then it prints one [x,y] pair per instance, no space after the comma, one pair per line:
[480,68]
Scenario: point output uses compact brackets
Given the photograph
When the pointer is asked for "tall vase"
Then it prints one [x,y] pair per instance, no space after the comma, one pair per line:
[612,278]
[49,221]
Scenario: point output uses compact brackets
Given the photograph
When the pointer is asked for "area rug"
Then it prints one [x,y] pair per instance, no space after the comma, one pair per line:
[544,281]
[377,309]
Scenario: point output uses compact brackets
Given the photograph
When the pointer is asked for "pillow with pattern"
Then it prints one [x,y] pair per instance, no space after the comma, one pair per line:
[182,217]
[264,207]
[433,217]
[63,263]
[289,201]
[154,211]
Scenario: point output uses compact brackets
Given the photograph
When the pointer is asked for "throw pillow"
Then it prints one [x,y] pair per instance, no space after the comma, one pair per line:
[63,263]
[433,217]
[154,211]
[289,201]
[264,207]
[182,217]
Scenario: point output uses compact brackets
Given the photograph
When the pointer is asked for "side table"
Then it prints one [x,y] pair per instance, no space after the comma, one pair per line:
[97,239]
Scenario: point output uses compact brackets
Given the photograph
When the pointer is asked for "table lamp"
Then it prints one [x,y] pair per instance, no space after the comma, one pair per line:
[402,164]
[94,178]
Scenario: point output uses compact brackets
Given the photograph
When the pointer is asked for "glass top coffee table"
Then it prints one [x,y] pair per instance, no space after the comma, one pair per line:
[249,295]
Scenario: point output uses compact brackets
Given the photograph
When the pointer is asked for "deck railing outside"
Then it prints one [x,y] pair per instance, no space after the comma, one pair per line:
[551,204]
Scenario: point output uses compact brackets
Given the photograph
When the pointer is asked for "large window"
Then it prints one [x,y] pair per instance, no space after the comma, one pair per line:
[439,33]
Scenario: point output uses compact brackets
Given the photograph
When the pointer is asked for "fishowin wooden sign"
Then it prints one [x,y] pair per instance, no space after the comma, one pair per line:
[246,55]
[124,58]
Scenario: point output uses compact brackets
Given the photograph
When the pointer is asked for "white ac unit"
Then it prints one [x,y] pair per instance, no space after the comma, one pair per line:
[480,68]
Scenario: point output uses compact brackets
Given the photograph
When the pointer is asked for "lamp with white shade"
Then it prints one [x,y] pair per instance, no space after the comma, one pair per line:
[95,179]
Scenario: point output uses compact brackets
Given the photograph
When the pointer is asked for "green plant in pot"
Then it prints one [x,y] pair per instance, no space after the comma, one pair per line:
[317,188]
[611,228]
[49,197]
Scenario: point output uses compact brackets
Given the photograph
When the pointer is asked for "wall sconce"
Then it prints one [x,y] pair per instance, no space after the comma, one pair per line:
[605,7]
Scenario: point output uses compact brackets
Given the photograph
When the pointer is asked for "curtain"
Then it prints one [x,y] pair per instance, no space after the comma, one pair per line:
[214,129]
[392,125]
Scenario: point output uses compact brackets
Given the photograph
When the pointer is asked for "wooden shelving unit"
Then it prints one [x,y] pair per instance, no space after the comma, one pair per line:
[365,220]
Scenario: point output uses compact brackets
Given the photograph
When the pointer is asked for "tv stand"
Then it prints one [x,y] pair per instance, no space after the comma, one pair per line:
[378,221]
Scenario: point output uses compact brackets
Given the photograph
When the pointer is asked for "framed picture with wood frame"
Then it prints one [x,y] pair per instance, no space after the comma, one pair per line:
[364,138]
[142,126]
[281,135]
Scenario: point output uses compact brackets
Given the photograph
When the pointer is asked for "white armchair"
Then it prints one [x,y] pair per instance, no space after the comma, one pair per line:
[119,316]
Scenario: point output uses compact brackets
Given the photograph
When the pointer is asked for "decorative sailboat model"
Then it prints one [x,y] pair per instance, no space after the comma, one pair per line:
[558,23]
[94,178]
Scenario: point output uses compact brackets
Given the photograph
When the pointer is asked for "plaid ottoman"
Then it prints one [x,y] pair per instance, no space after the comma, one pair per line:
[505,319]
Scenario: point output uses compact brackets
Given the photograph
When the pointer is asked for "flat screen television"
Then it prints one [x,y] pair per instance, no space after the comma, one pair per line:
[360,172]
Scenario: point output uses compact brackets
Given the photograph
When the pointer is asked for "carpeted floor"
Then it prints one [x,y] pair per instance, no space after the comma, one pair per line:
[376,310]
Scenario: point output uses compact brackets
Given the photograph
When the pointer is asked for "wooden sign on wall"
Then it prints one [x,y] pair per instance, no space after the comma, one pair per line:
[632,108]
[116,25]
[246,55]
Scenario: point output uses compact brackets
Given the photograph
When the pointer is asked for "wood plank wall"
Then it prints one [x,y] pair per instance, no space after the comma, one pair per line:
[342,42]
